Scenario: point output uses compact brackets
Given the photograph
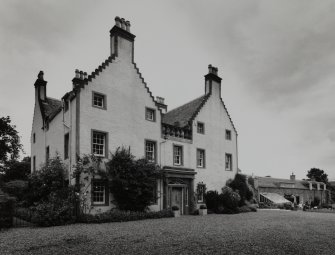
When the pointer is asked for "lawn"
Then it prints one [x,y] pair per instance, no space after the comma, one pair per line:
[264,232]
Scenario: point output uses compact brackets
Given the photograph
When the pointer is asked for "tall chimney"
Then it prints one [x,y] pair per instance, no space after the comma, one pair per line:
[40,87]
[121,40]
[212,81]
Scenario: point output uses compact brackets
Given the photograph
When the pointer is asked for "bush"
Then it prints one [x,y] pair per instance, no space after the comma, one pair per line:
[230,198]
[56,211]
[240,184]
[212,200]
[315,202]
[51,178]
[16,188]
[203,207]
[133,182]
[23,213]
[6,212]
[116,215]
[175,208]
[244,209]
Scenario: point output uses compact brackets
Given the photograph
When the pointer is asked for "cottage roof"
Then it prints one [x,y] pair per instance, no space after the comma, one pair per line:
[51,107]
[185,113]
[269,182]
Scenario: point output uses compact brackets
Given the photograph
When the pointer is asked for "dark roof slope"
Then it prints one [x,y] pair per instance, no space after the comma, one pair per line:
[269,182]
[185,113]
[51,107]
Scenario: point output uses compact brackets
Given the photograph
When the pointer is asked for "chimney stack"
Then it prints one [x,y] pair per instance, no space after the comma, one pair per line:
[160,104]
[213,81]
[121,40]
[79,79]
[292,177]
[40,87]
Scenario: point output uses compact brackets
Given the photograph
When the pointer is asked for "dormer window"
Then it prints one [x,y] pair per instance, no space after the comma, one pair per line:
[150,114]
[99,100]
[200,128]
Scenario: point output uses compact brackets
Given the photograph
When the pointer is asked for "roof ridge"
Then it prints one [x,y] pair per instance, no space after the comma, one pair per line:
[185,104]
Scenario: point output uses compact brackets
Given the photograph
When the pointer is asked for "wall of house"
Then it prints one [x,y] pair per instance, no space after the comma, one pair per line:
[55,137]
[37,148]
[213,141]
[124,117]
[216,121]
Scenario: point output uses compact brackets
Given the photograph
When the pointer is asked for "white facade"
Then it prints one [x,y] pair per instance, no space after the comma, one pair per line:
[112,105]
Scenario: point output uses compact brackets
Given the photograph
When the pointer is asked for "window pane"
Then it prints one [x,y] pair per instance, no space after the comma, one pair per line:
[99,144]
[150,151]
[150,114]
[98,100]
[98,193]
[177,155]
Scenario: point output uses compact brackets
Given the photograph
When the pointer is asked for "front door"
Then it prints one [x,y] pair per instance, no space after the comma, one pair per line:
[177,198]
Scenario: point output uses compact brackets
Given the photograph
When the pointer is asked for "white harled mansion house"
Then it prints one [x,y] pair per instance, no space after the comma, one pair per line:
[194,144]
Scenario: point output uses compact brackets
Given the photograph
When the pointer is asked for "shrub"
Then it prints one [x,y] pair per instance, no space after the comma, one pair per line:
[240,184]
[244,209]
[16,188]
[116,215]
[133,182]
[315,202]
[212,200]
[175,208]
[203,207]
[55,211]
[51,178]
[230,198]
[6,212]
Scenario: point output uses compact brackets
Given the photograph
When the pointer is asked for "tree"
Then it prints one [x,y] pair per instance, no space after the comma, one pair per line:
[240,184]
[16,170]
[132,182]
[10,145]
[318,174]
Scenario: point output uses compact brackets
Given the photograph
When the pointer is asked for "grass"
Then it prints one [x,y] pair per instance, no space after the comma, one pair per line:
[264,232]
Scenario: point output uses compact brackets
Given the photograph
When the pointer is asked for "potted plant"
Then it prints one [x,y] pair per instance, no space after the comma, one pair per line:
[202,210]
[175,210]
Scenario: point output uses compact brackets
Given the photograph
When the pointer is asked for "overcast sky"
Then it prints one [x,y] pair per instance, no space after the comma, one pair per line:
[276,60]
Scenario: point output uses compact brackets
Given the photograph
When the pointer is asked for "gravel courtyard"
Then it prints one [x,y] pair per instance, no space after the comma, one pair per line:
[264,232]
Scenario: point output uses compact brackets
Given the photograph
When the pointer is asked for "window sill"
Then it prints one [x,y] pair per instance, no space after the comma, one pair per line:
[98,107]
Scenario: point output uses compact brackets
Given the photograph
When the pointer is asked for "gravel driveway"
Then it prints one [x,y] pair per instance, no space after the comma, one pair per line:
[264,232]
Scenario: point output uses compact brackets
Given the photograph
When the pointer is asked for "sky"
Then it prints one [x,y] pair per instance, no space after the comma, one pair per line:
[276,60]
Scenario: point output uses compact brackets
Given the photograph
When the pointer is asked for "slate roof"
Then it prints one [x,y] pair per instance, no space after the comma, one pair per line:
[185,113]
[51,107]
[269,182]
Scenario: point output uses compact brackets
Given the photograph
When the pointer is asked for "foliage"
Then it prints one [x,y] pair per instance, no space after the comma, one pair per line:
[132,182]
[55,211]
[318,174]
[6,212]
[240,185]
[212,200]
[16,188]
[230,198]
[50,179]
[116,215]
[203,207]
[16,170]
[315,202]
[175,208]
[10,145]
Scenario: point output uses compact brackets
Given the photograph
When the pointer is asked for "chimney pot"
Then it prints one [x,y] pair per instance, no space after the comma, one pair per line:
[40,75]
[128,26]
[117,21]
[81,75]
[85,75]
[77,73]
[123,24]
